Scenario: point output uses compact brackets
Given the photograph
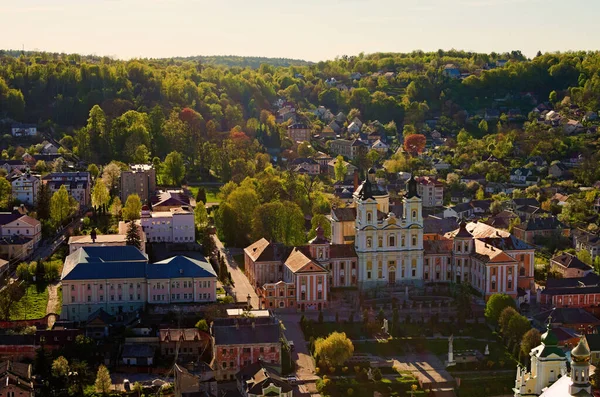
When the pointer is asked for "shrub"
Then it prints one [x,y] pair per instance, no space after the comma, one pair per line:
[349,392]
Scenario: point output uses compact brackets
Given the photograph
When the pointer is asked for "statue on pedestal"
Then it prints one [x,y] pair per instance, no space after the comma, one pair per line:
[450,351]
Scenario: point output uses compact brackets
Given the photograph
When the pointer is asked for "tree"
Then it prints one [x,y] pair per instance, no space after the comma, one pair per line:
[305,150]
[202,325]
[200,215]
[173,168]
[133,237]
[531,339]
[116,208]
[43,202]
[334,350]
[100,195]
[483,126]
[495,305]
[553,97]
[60,367]
[60,206]
[505,317]
[103,381]
[517,327]
[480,195]
[137,388]
[340,169]
[40,166]
[11,294]
[111,175]
[584,256]
[415,143]
[141,155]
[133,207]
[320,220]
[93,170]
[201,196]
[5,193]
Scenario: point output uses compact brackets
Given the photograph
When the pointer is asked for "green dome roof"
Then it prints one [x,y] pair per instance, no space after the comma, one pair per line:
[549,338]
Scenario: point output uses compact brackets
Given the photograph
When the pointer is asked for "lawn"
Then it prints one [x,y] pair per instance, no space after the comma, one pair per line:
[211,193]
[481,386]
[32,305]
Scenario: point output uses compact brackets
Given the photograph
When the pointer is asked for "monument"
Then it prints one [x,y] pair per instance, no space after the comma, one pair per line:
[487,350]
[385,326]
[450,352]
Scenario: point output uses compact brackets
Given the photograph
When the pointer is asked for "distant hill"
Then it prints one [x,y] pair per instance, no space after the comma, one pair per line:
[252,62]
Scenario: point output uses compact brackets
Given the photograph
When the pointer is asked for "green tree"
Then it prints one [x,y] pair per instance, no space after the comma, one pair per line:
[100,195]
[584,256]
[480,195]
[320,220]
[93,170]
[202,325]
[60,206]
[505,317]
[116,208]
[11,294]
[531,339]
[111,175]
[483,126]
[553,97]
[517,327]
[5,193]
[334,350]
[133,237]
[60,367]
[494,306]
[141,155]
[43,202]
[103,382]
[200,215]
[305,149]
[133,207]
[201,196]
[340,169]
[174,168]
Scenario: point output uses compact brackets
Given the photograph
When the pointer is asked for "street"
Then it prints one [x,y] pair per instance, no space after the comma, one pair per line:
[241,287]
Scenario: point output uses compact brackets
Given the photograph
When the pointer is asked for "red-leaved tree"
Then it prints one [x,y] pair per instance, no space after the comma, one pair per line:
[415,143]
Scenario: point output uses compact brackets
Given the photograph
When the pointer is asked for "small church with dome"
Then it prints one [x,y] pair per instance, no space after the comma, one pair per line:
[549,377]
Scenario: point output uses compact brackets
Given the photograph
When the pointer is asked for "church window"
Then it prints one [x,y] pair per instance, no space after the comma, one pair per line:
[392,241]
[493,285]
[414,215]
[369,216]
[380,242]
[414,240]
[509,285]
[403,241]
[369,242]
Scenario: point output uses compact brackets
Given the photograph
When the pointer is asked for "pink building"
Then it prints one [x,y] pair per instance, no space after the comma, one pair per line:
[173,226]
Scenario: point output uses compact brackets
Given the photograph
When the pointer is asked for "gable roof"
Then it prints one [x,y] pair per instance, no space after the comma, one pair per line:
[547,223]
[179,267]
[298,262]
[570,261]
[490,254]
[347,214]
[241,331]
[116,262]
[520,202]
[264,251]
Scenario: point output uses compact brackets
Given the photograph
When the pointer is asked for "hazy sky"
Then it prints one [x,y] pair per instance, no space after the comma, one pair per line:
[308,29]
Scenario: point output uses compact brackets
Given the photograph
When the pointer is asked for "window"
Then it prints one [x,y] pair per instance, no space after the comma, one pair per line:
[72,299]
[414,215]
[89,287]
[101,298]
[89,298]
[120,297]
[392,241]
[72,287]
[414,240]
[272,349]
[522,272]
[509,284]
[319,295]
[130,297]
[493,284]
[262,349]
[112,297]
[101,287]
[380,242]
[369,216]
[224,351]
[426,276]
[369,242]
[437,275]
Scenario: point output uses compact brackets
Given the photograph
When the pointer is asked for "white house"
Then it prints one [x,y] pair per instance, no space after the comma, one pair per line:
[173,226]
[380,147]
[25,188]
[19,129]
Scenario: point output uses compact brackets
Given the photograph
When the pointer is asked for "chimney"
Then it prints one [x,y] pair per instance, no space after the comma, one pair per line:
[355,179]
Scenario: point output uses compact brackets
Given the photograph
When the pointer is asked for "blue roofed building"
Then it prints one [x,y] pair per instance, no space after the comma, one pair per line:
[119,279]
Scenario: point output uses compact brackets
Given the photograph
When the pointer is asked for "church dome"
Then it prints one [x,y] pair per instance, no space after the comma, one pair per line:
[581,352]
[549,338]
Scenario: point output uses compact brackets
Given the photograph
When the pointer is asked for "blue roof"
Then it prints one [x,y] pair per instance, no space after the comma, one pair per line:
[91,271]
[113,254]
[179,267]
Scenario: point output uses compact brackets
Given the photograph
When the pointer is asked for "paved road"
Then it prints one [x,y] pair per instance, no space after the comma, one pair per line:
[242,286]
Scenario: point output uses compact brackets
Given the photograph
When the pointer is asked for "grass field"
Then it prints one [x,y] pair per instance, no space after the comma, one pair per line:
[32,305]
[211,193]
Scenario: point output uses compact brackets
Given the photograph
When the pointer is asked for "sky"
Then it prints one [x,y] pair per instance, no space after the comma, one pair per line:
[313,30]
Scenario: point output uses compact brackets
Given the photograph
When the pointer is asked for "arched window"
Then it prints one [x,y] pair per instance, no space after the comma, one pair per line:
[369,242]
[403,241]
[414,240]
[369,216]
[414,215]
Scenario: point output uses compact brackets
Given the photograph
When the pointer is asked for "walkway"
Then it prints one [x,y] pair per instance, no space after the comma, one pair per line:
[241,287]
[53,302]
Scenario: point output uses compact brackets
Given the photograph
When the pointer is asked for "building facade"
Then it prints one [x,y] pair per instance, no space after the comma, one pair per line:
[78,184]
[299,132]
[431,191]
[25,188]
[173,226]
[120,279]
[140,179]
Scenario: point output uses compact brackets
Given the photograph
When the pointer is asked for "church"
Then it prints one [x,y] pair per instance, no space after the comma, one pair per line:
[548,376]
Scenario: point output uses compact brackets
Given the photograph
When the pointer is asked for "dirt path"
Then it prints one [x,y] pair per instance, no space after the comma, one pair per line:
[53,302]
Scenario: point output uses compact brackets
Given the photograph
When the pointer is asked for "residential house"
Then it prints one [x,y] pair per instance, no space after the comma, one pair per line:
[140,179]
[353,128]
[497,187]
[503,219]
[431,191]
[452,71]
[173,226]
[137,354]
[323,159]
[258,380]
[356,76]
[120,280]
[540,227]
[25,188]
[520,202]
[527,212]
[348,148]
[573,127]
[459,196]
[187,344]
[358,123]
[16,379]
[299,132]
[560,199]
[239,342]
[340,118]
[20,129]
[440,164]
[164,201]
[199,382]
[466,179]
[306,166]
[350,169]
[569,266]
[537,161]
[459,211]
[263,262]
[558,170]
[586,241]
[19,235]
[310,278]
[10,165]
[380,147]
[99,324]
[78,185]
[335,127]
[48,148]
[523,176]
